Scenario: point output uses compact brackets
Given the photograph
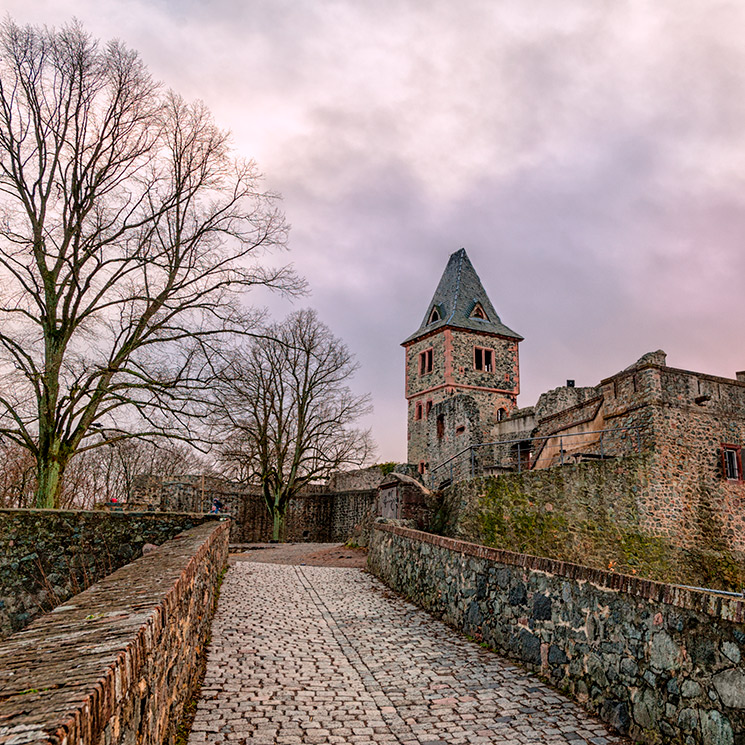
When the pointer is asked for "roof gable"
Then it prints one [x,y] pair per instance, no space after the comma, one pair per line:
[461,300]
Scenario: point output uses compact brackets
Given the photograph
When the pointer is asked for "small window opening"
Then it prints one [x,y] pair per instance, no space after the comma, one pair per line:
[429,408]
[418,411]
[460,429]
[440,426]
[501,415]
[434,315]
[483,359]
[422,466]
[732,462]
[425,362]
[478,312]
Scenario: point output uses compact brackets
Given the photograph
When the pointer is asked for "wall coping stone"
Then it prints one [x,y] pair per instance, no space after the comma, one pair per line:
[674,370]
[709,602]
[65,675]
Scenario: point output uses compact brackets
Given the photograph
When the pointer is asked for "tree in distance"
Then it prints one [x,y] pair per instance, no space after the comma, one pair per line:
[128,234]
[288,413]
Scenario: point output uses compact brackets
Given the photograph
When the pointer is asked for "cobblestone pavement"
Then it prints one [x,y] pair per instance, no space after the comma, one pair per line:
[305,654]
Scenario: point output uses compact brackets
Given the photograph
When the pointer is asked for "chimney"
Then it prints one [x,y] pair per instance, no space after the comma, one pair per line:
[740,376]
[570,384]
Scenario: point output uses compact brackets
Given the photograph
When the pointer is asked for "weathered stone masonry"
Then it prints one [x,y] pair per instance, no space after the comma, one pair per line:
[460,349]
[659,662]
[116,663]
[321,514]
[46,556]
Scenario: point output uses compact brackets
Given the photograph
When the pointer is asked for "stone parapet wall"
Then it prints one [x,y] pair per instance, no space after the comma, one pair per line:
[47,556]
[352,509]
[117,662]
[659,662]
[318,514]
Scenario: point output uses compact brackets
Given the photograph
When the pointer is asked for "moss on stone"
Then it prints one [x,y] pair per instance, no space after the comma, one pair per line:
[585,515]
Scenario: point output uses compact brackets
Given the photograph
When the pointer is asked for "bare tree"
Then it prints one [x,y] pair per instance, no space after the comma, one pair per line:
[289,413]
[17,475]
[98,475]
[128,234]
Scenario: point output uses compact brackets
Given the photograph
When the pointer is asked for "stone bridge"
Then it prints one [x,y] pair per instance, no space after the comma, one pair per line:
[315,654]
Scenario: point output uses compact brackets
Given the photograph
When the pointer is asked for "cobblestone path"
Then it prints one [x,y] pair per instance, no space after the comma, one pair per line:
[304,654]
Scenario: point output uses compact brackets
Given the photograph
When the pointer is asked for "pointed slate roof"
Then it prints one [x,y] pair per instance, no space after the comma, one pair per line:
[457,296]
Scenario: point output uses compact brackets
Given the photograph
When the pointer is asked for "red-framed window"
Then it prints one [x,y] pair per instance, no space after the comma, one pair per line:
[418,411]
[483,359]
[426,361]
[428,408]
[732,462]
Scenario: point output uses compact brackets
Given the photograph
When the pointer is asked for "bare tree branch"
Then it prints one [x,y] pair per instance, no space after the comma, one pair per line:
[128,234]
[287,413]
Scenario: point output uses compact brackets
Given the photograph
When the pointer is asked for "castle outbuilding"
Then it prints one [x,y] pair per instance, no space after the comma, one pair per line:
[461,356]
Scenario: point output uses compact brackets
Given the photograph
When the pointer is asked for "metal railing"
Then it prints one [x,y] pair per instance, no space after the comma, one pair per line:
[533,453]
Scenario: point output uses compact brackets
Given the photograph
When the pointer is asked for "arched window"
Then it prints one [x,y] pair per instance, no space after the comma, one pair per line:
[434,315]
[501,415]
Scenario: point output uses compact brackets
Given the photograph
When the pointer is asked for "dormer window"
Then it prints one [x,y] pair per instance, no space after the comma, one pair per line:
[479,313]
[434,315]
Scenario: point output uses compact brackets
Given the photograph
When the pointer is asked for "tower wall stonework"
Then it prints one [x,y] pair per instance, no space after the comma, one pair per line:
[454,373]
[473,354]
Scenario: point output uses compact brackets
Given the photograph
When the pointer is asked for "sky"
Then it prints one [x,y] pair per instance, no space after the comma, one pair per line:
[589,155]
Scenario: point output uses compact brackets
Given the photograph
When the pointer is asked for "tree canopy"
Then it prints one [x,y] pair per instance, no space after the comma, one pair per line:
[128,233]
[287,412]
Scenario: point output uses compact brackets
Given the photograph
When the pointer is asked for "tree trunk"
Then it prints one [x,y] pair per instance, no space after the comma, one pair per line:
[279,521]
[49,471]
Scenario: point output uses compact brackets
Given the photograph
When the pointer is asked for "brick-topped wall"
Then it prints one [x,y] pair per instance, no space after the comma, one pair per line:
[662,663]
[46,556]
[117,662]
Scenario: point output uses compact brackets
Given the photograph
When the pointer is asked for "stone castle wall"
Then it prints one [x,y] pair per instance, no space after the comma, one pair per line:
[47,556]
[117,663]
[685,417]
[657,662]
[316,515]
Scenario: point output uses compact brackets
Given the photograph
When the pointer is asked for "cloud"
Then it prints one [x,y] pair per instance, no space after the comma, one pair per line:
[589,156]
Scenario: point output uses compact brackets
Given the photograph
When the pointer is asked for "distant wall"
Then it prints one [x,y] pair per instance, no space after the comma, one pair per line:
[658,662]
[46,556]
[319,514]
[590,513]
[320,517]
[117,662]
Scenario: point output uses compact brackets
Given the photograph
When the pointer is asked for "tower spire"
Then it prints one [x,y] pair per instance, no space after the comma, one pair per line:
[460,301]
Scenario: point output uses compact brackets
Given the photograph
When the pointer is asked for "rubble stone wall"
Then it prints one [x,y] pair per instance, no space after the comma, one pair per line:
[685,417]
[47,556]
[117,662]
[658,662]
[316,515]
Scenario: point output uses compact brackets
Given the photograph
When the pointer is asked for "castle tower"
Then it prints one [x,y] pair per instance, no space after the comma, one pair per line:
[461,348]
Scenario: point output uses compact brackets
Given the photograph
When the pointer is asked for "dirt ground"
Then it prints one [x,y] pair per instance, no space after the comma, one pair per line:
[308,554]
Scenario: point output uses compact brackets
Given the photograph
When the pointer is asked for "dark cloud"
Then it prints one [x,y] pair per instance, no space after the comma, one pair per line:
[589,156]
